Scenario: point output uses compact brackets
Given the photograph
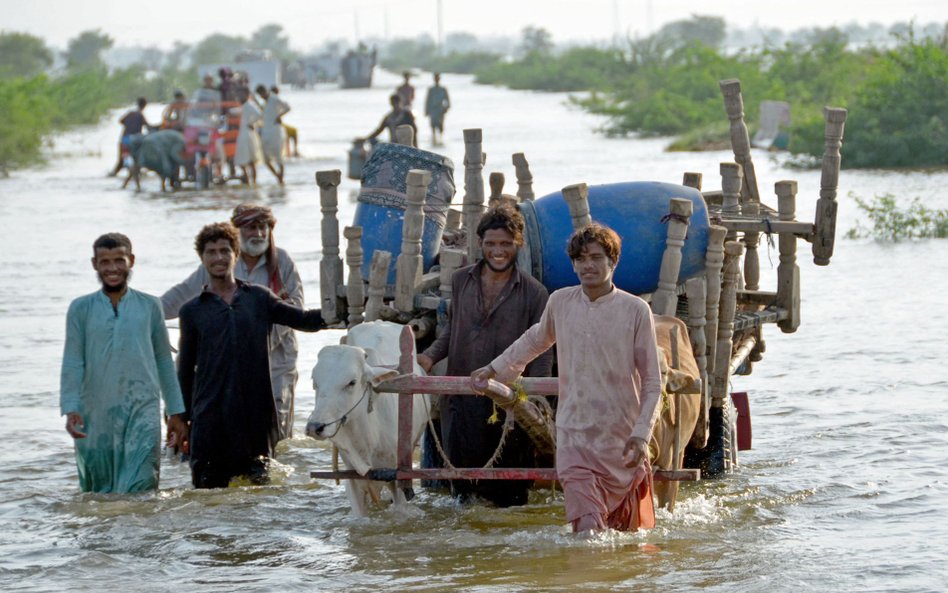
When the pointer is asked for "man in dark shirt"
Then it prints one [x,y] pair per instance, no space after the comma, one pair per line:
[224,365]
[133,124]
[494,302]
[396,117]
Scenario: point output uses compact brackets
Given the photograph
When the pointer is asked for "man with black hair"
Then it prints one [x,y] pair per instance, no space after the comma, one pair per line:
[493,303]
[224,365]
[116,361]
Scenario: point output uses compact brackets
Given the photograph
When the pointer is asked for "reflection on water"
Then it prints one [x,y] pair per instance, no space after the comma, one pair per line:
[845,488]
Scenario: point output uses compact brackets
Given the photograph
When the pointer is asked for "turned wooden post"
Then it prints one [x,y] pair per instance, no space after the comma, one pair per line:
[473,204]
[731,176]
[524,177]
[788,272]
[330,266]
[496,182]
[740,141]
[577,199]
[722,364]
[378,274]
[454,220]
[824,237]
[751,257]
[408,266]
[665,299]
[696,291]
[451,260]
[405,134]
[355,289]
[713,262]
[692,180]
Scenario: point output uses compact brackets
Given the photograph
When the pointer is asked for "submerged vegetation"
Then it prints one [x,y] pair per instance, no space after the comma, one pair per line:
[36,104]
[892,223]
[667,85]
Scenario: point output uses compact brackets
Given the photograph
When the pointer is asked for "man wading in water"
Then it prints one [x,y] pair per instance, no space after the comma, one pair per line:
[609,387]
[493,303]
[224,367]
[115,362]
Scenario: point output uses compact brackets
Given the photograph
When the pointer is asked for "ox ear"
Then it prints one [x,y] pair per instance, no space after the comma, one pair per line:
[377,374]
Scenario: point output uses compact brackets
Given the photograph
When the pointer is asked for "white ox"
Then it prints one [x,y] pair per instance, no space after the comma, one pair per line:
[360,422]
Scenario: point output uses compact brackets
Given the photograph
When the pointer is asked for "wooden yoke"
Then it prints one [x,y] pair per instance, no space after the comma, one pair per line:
[473,205]
[405,135]
[740,141]
[378,275]
[577,199]
[824,237]
[355,289]
[788,272]
[695,289]
[524,177]
[713,261]
[330,266]
[408,266]
[722,364]
[665,299]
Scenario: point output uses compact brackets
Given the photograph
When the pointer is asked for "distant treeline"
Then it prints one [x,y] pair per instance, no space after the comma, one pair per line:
[36,104]
[897,96]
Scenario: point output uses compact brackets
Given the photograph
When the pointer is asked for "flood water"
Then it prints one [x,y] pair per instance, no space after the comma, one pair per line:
[845,489]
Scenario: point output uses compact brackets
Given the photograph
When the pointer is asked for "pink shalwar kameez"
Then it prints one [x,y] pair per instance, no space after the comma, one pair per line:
[609,390]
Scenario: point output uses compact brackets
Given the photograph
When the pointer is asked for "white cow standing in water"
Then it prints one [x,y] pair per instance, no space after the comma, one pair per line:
[362,423]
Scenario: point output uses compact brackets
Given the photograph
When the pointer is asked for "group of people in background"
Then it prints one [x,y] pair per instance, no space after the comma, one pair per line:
[437,104]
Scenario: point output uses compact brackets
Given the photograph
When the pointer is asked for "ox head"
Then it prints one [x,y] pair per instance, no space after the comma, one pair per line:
[343,379]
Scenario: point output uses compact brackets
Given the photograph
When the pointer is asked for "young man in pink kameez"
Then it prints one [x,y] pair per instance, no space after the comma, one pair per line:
[609,387]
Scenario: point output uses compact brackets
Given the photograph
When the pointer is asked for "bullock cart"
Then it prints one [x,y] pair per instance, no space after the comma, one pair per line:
[697,261]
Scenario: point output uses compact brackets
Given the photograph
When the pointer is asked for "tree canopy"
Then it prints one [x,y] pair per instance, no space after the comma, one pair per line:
[23,55]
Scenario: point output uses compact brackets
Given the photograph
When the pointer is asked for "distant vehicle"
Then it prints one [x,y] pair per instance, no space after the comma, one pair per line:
[210,136]
[357,67]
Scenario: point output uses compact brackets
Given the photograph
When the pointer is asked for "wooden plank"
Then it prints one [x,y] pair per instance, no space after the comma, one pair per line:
[804,229]
[460,385]
[497,473]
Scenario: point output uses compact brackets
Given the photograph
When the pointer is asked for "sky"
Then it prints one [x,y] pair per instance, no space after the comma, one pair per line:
[309,23]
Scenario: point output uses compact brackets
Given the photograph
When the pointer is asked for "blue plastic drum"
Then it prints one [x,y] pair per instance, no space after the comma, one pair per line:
[382,202]
[635,211]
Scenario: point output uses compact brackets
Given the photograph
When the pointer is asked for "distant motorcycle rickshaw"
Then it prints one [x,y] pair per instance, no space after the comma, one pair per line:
[210,135]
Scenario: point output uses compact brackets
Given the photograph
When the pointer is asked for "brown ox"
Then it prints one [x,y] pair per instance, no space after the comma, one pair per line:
[681,401]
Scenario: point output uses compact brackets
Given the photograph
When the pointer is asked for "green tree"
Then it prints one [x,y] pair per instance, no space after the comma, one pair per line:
[217,48]
[85,51]
[23,55]
[271,37]
[708,30]
[536,40]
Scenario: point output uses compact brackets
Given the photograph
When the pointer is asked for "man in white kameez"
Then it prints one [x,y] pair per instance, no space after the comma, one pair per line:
[247,152]
[272,135]
[609,387]
[260,262]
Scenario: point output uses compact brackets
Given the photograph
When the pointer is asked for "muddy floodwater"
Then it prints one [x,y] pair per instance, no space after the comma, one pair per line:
[846,488]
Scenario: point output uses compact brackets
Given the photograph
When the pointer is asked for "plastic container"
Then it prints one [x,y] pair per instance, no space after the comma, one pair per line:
[635,211]
[382,201]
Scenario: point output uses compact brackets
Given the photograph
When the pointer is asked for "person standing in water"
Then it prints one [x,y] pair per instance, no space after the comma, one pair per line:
[437,104]
[116,363]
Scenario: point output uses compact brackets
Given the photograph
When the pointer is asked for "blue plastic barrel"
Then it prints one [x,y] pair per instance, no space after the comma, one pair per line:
[382,202]
[635,211]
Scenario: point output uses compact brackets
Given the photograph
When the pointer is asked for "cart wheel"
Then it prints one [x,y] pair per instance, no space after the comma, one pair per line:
[720,454]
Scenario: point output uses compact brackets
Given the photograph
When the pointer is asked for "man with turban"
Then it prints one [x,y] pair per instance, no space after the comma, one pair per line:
[260,262]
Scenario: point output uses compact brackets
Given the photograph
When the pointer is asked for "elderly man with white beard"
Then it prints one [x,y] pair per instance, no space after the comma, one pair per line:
[260,262]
